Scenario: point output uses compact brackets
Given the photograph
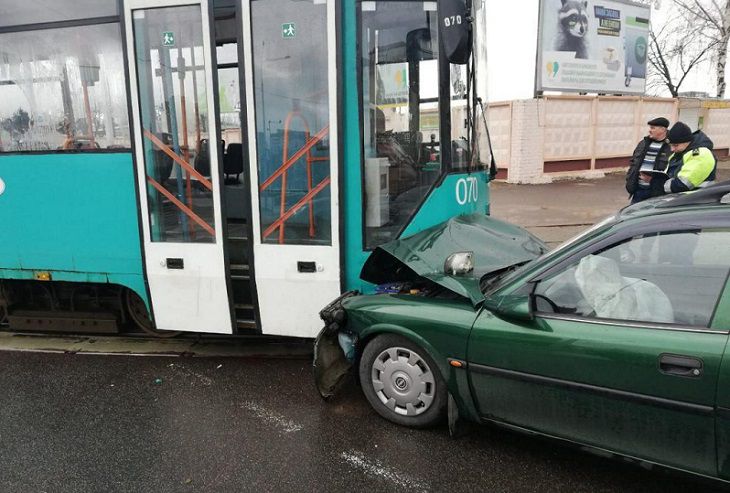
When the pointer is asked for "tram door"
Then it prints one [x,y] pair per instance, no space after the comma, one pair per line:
[176,143]
[290,71]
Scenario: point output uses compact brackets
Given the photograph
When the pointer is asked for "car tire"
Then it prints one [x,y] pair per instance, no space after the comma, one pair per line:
[402,382]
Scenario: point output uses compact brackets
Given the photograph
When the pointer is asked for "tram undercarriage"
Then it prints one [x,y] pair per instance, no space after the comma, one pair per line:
[72,307]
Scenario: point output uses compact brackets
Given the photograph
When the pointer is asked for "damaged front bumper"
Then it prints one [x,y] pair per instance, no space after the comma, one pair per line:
[334,348]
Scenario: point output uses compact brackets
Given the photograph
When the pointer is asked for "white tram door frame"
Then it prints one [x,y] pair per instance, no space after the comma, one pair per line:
[194,298]
[289,301]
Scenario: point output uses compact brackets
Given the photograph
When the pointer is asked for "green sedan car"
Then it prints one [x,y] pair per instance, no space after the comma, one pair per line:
[614,341]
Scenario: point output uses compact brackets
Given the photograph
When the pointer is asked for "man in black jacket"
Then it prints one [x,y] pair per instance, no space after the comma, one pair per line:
[652,153]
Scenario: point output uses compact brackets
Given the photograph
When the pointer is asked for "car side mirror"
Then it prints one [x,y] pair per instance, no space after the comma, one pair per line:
[512,307]
[459,263]
[455,30]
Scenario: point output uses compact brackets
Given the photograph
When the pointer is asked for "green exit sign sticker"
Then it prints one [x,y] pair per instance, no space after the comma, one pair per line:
[168,39]
[288,30]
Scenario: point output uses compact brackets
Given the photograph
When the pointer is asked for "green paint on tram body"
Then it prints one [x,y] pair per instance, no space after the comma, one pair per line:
[73,215]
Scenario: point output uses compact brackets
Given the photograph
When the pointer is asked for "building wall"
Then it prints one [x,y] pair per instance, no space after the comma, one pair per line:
[538,140]
[716,124]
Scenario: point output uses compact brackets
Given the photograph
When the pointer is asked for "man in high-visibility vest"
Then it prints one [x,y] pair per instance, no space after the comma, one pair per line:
[692,164]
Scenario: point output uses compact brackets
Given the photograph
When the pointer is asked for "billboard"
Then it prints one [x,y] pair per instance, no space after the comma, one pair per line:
[392,83]
[592,46]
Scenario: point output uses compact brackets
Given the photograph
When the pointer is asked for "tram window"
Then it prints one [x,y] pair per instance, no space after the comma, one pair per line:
[461,149]
[63,89]
[229,98]
[175,115]
[227,54]
[479,56]
[460,152]
[226,31]
[400,81]
[230,105]
[292,118]
[15,13]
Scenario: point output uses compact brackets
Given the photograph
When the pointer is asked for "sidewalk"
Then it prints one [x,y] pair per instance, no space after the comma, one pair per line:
[559,210]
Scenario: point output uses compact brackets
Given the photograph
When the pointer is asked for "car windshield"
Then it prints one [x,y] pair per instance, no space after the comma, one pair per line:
[494,280]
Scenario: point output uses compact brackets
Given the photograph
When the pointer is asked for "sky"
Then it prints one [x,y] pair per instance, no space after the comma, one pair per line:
[512,49]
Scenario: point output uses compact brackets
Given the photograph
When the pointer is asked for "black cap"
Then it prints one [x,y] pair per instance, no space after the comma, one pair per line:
[659,122]
[679,133]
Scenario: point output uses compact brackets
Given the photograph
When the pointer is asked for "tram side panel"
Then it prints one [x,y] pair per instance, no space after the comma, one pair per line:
[73,216]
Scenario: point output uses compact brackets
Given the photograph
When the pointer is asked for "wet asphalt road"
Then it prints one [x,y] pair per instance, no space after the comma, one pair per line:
[124,423]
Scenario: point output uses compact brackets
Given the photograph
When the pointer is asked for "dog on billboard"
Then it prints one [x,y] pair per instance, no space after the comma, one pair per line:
[573,27]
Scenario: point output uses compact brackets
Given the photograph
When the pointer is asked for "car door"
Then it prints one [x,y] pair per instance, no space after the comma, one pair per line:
[621,353]
[722,426]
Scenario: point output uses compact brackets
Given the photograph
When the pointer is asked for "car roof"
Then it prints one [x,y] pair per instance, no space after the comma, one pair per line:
[715,197]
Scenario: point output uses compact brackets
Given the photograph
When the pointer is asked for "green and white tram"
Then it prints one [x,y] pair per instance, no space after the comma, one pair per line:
[225,166]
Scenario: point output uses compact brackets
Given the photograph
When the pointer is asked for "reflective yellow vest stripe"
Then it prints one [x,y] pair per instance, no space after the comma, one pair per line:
[697,165]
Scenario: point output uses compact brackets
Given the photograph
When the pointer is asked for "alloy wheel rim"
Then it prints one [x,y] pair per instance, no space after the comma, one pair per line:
[403,381]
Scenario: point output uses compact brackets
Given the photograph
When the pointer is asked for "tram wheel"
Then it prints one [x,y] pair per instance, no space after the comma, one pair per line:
[137,311]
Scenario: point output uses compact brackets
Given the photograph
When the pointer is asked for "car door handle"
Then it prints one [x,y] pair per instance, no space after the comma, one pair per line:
[678,365]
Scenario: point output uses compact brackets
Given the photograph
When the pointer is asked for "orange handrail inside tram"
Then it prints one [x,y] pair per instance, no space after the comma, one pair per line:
[189,170]
[288,162]
[185,209]
[185,165]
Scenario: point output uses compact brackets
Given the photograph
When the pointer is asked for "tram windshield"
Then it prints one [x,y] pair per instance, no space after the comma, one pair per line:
[412,99]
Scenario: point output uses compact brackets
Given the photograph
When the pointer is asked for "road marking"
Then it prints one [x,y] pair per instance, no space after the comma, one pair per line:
[373,467]
[268,416]
[204,380]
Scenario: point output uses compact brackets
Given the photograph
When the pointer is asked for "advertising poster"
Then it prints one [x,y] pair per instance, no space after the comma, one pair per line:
[593,46]
[392,84]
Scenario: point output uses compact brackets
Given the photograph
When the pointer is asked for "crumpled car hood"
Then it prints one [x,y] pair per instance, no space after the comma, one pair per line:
[496,245]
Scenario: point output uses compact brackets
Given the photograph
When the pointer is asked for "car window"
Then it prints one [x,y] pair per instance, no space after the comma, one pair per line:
[672,277]
[545,257]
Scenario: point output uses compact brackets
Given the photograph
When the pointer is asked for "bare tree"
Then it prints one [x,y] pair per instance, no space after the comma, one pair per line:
[674,51]
[712,17]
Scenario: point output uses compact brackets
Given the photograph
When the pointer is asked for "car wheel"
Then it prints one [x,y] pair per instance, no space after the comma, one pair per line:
[402,382]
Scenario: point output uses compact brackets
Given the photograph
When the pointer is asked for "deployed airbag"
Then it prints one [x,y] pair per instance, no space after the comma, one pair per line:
[610,295]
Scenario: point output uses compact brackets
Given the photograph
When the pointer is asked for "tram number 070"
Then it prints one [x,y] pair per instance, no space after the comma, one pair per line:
[452,20]
[467,190]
